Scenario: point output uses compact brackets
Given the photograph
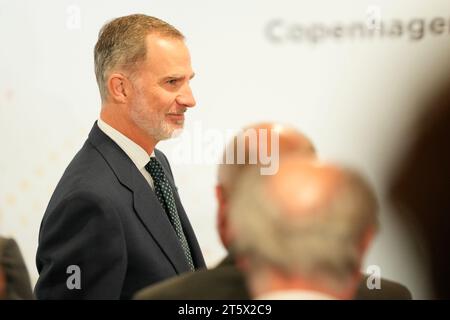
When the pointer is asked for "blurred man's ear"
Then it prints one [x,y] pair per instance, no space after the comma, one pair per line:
[364,245]
[220,194]
[222,221]
[350,290]
[119,88]
[366,241]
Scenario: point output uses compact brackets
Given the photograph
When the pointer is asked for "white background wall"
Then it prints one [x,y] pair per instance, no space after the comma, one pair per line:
[355,97]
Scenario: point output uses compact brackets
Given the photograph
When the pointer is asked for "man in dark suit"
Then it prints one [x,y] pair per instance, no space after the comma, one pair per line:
[14,278]
[115,222]
[226,281]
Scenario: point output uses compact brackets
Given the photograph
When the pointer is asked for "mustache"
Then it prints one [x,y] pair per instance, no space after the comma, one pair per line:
[178,112]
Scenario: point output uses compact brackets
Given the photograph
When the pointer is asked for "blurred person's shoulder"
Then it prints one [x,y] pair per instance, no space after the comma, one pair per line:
[387,290]
[17,281]
[224,282]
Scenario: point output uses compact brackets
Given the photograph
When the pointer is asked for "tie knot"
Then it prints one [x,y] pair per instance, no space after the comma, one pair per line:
[155,169]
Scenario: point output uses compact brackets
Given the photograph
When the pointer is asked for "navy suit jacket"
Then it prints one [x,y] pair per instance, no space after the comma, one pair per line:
[105,219]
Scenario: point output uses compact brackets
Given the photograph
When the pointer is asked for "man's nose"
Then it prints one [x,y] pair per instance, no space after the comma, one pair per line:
[186,98]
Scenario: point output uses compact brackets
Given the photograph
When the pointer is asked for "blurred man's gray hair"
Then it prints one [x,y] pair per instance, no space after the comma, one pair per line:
[323,242]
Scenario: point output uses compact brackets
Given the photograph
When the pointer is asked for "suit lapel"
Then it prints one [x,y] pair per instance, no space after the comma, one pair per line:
[146,205]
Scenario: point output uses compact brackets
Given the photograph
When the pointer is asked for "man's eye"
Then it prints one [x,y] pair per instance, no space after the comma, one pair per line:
[172,81]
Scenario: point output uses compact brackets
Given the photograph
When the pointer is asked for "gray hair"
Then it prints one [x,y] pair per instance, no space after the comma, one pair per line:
[324,244]
[121,44]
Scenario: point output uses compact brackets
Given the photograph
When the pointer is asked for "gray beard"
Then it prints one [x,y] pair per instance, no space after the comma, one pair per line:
[158,129]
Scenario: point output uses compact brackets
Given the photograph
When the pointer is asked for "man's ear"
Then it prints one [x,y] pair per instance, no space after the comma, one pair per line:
[220,195]
[119,87]
[222,221]
[366,241]
[364,244]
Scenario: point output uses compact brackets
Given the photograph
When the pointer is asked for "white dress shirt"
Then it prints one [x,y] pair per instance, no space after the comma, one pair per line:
[134,151]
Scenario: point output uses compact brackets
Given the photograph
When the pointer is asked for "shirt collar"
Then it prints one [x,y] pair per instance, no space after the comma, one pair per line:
[295,295]
[134,151]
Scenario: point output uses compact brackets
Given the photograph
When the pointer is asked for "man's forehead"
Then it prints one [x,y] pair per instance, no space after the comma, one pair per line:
[167,46]
[161,40]
[168,57]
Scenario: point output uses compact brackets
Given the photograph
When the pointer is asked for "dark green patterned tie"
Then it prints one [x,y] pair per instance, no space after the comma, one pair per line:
[164,194]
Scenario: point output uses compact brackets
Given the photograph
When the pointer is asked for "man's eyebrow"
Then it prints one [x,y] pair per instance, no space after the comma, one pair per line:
[178,76]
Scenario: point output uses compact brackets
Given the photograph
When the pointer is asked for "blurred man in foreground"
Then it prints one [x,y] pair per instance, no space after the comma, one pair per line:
[305,230]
